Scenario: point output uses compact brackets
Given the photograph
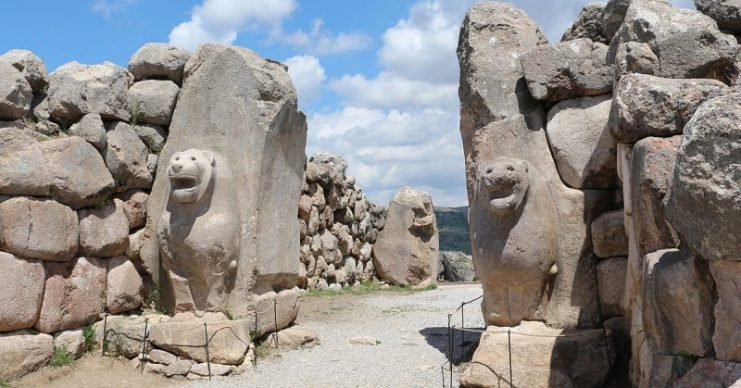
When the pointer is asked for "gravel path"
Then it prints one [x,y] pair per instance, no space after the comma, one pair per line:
[411,328]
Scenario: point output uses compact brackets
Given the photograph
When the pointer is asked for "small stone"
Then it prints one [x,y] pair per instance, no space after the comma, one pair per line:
[159,61]
[178,368]
[161,357]
[90,128]
[15,93]
[154,136]
[153,101]
[124,286]
[364,340]
[608,235]
[72,340]
[30,65]
[126,157]
[104,232]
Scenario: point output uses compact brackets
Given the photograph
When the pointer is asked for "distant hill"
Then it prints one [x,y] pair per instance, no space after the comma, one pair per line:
[452,224]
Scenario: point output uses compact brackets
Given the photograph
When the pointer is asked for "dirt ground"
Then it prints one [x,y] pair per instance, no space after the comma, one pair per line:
[419,315]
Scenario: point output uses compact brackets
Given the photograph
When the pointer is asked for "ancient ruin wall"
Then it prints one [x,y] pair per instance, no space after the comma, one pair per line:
[622,142]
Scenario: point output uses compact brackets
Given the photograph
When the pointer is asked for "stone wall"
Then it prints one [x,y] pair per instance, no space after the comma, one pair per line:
[78,151]
[621,141]
[339,226]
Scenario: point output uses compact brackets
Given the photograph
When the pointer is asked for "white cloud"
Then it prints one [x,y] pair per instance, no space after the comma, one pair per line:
[308,77]
[319,41]
[220,21]
[109,7]
[392,90]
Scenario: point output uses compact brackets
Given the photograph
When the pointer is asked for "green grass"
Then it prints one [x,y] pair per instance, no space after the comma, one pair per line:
[367,288]
[5,384]
[88,335]
[61,357]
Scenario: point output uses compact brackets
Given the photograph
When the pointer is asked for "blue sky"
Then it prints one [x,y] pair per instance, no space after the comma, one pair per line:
[377,79]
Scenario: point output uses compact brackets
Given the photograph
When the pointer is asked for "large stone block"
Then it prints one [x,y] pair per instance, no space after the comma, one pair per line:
[153,101]
[645,105]
[79,177]
[678,303]
[727,13]
[588,24]
[74,294]
[15,93]
[30,65]
[185,336]
[126,157]
[584,151]
[159,61]
[407,249]
[540,357]
[37,229]
[660,39]
[608,235]
[651,177]
[76,90]
[705,201]
[23,167]
[124,285]
[23,352]
[91,128]
[710,373]
[21,291]
[104,231]
[727,334]
[568,69]
[237,113]
[611,281]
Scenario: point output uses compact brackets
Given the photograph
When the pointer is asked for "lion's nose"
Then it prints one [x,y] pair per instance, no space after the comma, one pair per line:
[176,167]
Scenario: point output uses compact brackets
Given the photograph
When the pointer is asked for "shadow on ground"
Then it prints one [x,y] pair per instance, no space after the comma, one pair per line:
[464,342]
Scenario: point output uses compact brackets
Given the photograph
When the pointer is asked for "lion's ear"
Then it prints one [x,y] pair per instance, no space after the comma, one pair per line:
[210,157]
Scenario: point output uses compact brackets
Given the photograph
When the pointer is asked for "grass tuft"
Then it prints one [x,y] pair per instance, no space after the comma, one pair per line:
[88,335]
[61,357]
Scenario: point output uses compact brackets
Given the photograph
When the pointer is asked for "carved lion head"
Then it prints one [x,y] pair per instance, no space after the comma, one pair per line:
[505,183]
[190,175]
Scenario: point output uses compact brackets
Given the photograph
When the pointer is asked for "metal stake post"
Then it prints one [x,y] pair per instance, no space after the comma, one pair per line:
[462,331]
[105,334]
[208,358]
[275,316]
[142,357]
[450,349]
[255,351]
[509,346]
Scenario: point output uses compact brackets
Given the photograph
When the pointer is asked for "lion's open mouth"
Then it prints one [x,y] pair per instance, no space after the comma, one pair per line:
[184,182]
[503,194]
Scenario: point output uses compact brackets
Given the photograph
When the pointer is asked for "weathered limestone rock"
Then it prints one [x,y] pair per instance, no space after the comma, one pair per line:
[651,182]
[21,291]
[499,118]
[125,332]
[76,90]
[90,128]
[178,368]
[710,373]
[161,357]
[184,335]
[613,15]
[727,13]
[541,357]
[37,229]
[660,39]
[124,286]
[153,101]
[678,303]
[611,281]
[255,166]
[275,308]
[297,336]
[513,207]
[104,231]
[126,157]
[15,93]
[153,136]
[135,207]
[456,267]
[31,66]
[23,352]
[74,294]
[407,248]
[707,181]
[569,69]
[608,235]
[588,24]
[159,61]
[23,167]
[202,369]
[727,334]
[79,177]
[645,105]
[584,151]
[72,340]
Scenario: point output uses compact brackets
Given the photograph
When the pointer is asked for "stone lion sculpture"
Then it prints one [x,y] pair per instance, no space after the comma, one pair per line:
[514,240]
[199,238]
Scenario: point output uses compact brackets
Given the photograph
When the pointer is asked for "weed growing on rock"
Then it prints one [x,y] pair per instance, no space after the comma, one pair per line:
[88,335]
[61,357]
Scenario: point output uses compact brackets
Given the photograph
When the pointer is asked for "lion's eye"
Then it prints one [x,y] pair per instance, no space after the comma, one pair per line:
[177,158]
[489,170]
[510,168]
[193,158]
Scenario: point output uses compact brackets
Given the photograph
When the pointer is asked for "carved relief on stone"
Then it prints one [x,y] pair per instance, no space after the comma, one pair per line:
[514,240]
[199,238]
